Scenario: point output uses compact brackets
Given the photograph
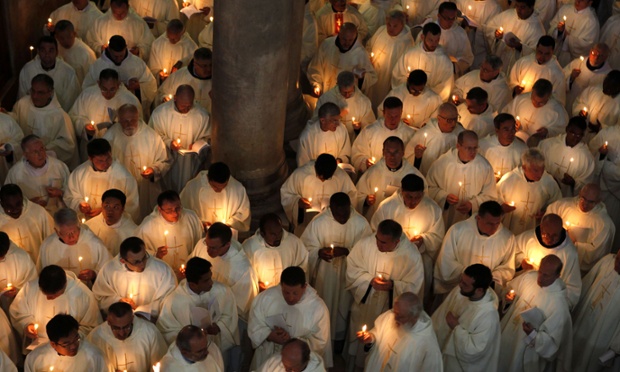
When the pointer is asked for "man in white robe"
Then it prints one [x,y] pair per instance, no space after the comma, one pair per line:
[402,339]
[334,14]
[580,74]
[609,36]
[434,139]
[112,225]
[419,101]
[143,153]
[379,269]
[526,192]
[81,13]
[528,346]
[386,47]
[11,136]
[550,238]
[9,347]
[461,179]
[216,196]
[291,309]
[576,28]
[599,104]
[97,175]
[476,113]
[419,10]
[171,51]
[429,56]
[595,317]
[132,72]
[25,222]
[368,146]
[502,149]
[587,224]
[40,113]
[16,269]
[170,232]
[127,341]
[329,238]
[479,13]
[6,364]
[72,50]
[192,352]
[309,38]
[42,178]
[54,292]
[490,78]
[325,135]
[67,350]
[157,13]
[295,355]
[47,62]
[467,322]
[121,20]
[135,278]
[568,159]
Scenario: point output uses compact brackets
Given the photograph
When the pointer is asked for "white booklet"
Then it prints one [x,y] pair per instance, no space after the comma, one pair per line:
[533,316]
[197,147]
[201,317]
[190,10]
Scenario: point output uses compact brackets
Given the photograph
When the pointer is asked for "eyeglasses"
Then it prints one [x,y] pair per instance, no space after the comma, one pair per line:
[70,343]
[138,262]
[128,327]
[450,120]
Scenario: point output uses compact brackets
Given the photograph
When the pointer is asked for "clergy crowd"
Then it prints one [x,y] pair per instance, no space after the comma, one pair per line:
[453,207]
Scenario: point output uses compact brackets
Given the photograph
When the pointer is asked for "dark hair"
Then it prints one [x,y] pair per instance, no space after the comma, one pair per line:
[52,279]
[431,27]
[392,102]
[117,43]
[502,118]
[412,183]
[339,199]
[61,325]
[417,77]
[481,274]
[220,231]
[269,218]
[167,196]
[390,228]
[218,172]
[116,194]
[577,122]
[107,74]
[10,189]
[325,166]
[293,276]
[132,244]
[47,39]
[5,243]
[490,207]
[196,268]
[546,41]
[97,147]
[120,309]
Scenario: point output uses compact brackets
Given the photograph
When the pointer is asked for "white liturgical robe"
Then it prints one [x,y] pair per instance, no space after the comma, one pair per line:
[601,108]
[132,28]
[581,31]
[589,76]
[480,12]
[144,347]
[457,46]
[80,57]
[610,35]
[205,37]
[307,319]
[418,10]
[314,141]
[481,123]
[174,361]
[369,143]
[436,142]
[326,20]
[10,137]
[112,235]
[416,109]
[164,54]
[274,364]
[9,348]
[45,358]
[162,10]
[526,71]
[81,19]
[7,365]
[502,158]
[185,75]
[30,229]
[16,269]
[552,116]
[497,89]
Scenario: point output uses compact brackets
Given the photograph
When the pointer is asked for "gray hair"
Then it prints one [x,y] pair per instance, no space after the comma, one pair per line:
[533,157]
[413,301]
[127,108]
[495,61]
[397,15]
[65,217]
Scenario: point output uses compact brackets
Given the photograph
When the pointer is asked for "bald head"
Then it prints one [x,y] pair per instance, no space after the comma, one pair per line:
[184,98]
[549,270]
[295,355]
[599,54]
[551,229]
[446,109]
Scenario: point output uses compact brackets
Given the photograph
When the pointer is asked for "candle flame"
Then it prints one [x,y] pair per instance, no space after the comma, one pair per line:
[364,328]
[83,220]
[409,68]
[571,160]
[131,296]
[585,109]
[309,199]
[564,18]
[606,143]
[501,29]
[376,189]
[166,233]
[407,7]
[512,203]
[36,326]
[523,82]
[92,122]
[49,20]
[332,246]
[144,168]
[31,48]
[517,117]
[266,284]
[454,97]
[210,19]
[182,266]
[353,118]
[581,58]
[9,285]
[512,291]
[425,134]
[86,199]
[374,159]
[567,223]
[51,368]
[380,276]
[408,116]
[460,184]
[469,7]
[80,258]
[372,54]
[169,96]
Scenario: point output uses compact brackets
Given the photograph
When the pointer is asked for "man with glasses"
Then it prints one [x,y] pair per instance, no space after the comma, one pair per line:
[489,77]
[135,278]
[192,351]
[66,351]
[327,134]
[587,224]
[461,179]
[128,342]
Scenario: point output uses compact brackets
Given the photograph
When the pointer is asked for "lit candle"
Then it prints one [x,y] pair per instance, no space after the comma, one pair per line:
[86,199]
[454,98]
[144,168]
[501,29]
[166,238]
[165,71]
[353,119]
[512,203]
[266,284]
[80,262]
[523,82]
[606,143]
[425,137]
[380,276]
[182,267]
[469,7]
[564,18]
[567,224]
[407,7]
[36,326]
[372,54]
[409,68]
[131,296]
[569,164]
[92,122]
[210,19]
[179,141]
[51,368]
[156,367]
[518,118]
[310,200]
[49,22]
[31,52]
[332,247]
[460,184]
[376,189]
[9,286]
[512,292]
[317,90]
[499,174]
[169,96]
[408,117]
[373,160]
[83,220]
[585,110]
[364,328]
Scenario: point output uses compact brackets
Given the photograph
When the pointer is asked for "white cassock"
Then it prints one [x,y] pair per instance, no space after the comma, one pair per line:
[551,342]
[457,46]
[94,254]
[205,37]
[601,108]
[314,141]
[9,347]
[11,136]
[526,71]
[403,348]
[387,51]
[30,229]
[84,181]
[529,247]
[304,183]
[498,90]
[190,128]
[66,84]
[529,197]
[416,109]
[481,123]
[473,182]
[308,320]
[164,54]
[269,262]
[545,9]
[80,57]
[596,316]
[403,266]
[274,364]
[358,106]
[16,269]
[144,148]
[464,245]
[473,345]
[181,238]
[328,278]
[436,142]
[326,20]
[162,10]
[418,10]
[502,158]
[144,347]
[587,77]
[528,31]
[185,75]
[81,19]
[575,161]
[132,67]
[382,182]
[309,38]
[147,289]
[230,206]
[183,307]
[132,28]
[33,181]
[481,13]
[174,361]
[551,116]
[92,106]
[592,232]
[369,143]
[234,270]
[437,65]
[7,365]
[32,307]
[88,358]
[52,124]
[112,235]
[375,12]
[610,35]
[581,31]
[329,61]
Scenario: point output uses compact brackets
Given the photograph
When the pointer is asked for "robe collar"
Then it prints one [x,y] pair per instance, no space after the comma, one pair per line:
[594,68]
[559,243]
[37,172]
[341,49]
[190,68]
[395,169]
